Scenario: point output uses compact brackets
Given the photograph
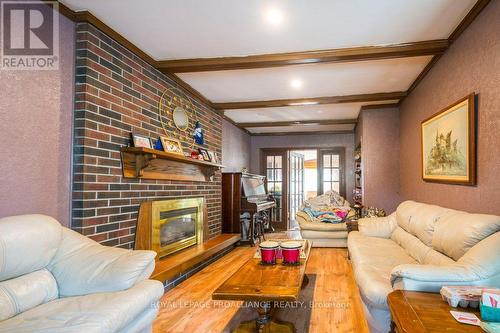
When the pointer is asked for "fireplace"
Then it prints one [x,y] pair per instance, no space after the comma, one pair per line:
[168,226]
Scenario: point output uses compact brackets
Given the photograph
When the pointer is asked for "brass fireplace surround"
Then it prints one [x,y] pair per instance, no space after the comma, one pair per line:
[153,214]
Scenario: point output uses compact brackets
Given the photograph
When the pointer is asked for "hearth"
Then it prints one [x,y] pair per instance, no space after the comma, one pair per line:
[168,226]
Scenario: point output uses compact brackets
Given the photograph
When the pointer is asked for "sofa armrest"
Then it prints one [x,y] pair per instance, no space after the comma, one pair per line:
[431,278]
[381,227]
[82,266]
[479,266]
[433,273]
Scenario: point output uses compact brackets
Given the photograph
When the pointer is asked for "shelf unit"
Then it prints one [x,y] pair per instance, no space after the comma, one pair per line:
[149,163]
[358,177]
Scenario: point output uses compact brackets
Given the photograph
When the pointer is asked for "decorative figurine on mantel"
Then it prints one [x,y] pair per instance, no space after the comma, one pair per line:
[373,212]
[198,134]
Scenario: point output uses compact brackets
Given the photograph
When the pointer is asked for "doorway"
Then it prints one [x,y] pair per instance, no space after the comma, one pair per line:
[295,175]
[303,181]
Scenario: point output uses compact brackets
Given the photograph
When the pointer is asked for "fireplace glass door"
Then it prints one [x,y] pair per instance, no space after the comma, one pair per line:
[177,226]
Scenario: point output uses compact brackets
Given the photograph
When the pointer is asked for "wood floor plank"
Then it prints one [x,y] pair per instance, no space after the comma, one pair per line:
[337,306]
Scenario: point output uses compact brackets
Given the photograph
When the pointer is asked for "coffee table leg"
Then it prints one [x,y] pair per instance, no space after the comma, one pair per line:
[265,323]
[264,311]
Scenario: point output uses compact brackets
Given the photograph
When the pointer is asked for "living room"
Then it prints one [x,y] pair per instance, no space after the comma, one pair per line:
[264,166]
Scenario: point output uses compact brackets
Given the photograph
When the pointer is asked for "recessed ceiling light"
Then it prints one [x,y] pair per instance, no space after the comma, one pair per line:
[274,16]
[296,83]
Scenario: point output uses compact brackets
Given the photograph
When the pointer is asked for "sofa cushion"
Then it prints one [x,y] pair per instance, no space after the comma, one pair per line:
[30,240]
[374,250]
[82,266]
[25,292]
[381,227]
[372,266]
[418,250]
[419,219]
[456,233]
[102,312]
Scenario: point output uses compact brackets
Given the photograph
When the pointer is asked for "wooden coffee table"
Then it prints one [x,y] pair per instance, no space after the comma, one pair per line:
[420,312]
[265,285]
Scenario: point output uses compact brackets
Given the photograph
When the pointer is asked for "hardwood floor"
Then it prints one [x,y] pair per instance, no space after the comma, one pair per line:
[337,307]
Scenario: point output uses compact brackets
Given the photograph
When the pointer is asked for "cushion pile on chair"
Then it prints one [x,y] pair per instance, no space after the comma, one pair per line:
[319,232]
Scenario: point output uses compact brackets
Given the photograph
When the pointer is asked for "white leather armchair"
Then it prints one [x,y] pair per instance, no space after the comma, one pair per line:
[53,279]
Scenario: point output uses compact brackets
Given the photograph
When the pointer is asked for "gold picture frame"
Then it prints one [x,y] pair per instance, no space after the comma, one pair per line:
[170,145]
[448,143]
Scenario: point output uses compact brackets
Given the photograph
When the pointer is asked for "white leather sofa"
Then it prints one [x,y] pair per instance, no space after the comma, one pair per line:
[422,247]
[53,279]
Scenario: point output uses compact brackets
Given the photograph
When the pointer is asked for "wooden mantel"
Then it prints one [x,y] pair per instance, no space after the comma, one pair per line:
[155,164]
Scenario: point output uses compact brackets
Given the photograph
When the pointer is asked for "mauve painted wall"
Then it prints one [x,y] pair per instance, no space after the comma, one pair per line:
[378,132]
[472,64]
[35,131]
[305,141]
[235,147]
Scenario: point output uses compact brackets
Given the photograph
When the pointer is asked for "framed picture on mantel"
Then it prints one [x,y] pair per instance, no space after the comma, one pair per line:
[449,144]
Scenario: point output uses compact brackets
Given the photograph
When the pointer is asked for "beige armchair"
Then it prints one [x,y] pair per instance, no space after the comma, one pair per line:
[53,279]
[319,233]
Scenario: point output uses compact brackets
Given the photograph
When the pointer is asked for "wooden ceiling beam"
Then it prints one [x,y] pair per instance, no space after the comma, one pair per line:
[423,48]
[395,95]
[379,106]
[301,133]
[299,123]
[468,19]
[464,24]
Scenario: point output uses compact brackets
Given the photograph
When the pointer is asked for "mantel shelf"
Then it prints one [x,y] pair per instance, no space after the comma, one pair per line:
[148,163]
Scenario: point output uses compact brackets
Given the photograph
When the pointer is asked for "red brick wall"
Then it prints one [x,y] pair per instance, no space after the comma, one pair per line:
[118,93]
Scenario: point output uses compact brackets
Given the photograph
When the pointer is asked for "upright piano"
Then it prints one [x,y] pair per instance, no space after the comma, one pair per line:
[246,205]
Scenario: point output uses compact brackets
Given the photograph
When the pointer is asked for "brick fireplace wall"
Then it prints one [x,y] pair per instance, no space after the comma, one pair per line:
[117,93]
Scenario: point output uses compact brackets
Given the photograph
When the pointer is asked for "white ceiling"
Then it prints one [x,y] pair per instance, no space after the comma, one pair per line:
[187,29]
[327,79]
[299,113]
[175,29]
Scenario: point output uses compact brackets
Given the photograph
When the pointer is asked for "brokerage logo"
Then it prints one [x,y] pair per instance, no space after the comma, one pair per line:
[29,35]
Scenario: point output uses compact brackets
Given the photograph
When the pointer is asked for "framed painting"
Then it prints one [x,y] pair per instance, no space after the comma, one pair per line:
[449,144]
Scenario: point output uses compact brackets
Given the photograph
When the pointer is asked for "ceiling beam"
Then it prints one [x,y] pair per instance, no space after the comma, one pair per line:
[396,95]
[467,20]
[299,123]
[301,133]
[423,48]
[379,106]
[234,123]
[464,24]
